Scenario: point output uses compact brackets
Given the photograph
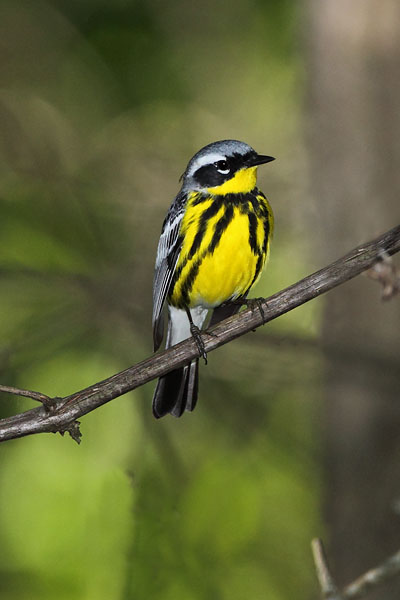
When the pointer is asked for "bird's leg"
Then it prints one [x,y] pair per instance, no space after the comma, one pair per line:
[196,333]
[252,303]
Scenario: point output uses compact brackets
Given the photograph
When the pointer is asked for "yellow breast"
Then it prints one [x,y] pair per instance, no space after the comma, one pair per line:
[229,270]
[225,245]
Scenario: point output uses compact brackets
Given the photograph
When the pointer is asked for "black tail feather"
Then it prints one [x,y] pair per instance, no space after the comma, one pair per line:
[176,391]
[191,386]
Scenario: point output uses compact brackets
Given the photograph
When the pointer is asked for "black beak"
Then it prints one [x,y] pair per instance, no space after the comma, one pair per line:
[259,159]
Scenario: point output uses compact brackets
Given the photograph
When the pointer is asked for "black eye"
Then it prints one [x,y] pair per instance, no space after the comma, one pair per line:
[222,167]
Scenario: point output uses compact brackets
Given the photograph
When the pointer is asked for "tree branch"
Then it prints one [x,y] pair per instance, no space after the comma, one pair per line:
[326,582]
[372,578]
[358,588]
[64,412]
[38,396]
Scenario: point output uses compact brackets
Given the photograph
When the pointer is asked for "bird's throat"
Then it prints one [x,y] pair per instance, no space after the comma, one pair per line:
[243,181]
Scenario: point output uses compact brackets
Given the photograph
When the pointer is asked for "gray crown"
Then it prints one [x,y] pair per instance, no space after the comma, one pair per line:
[223,149]
[213,153]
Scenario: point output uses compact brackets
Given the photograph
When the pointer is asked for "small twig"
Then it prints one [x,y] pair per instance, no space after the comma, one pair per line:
[387,274]
[328,587]
[47,402]
[388,569]
[358,588]
[74,431]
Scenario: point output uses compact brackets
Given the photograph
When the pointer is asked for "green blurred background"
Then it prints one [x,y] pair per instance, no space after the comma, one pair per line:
[101,106]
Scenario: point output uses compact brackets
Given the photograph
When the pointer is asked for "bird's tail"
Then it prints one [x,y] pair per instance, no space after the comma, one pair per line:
[177,391]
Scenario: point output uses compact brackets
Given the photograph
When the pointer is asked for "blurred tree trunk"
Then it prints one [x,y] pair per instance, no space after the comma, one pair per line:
[354,125]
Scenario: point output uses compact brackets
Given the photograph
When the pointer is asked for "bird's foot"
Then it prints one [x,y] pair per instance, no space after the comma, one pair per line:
[253,304]
[196,333]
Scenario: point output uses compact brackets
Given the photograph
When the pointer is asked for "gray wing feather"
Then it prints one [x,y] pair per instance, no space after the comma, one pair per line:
[169,247]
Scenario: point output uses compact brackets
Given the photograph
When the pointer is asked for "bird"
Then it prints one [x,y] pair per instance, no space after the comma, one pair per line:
[214,244]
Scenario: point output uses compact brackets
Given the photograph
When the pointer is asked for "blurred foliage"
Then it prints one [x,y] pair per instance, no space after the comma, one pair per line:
[101,106]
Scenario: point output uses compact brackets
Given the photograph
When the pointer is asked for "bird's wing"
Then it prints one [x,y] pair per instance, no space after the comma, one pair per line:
[169,247]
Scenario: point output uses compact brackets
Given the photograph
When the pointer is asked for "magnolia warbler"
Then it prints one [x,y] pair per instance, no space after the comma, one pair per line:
[213,246]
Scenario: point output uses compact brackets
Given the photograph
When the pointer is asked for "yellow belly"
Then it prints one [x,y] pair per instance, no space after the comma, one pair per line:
[228,272]
[221,275]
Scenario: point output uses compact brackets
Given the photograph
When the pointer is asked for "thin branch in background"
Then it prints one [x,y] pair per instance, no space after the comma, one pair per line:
[66,411]
[374,577]
[361,586]
[327,584]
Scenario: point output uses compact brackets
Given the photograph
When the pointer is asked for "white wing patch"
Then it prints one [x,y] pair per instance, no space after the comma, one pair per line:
[168,238]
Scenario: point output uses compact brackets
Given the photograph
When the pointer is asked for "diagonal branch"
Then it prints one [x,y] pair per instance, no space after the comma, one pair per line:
[384,572]
[359,588]
[61,416]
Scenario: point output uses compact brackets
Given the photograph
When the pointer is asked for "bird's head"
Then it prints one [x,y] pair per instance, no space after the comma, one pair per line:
[225,167]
